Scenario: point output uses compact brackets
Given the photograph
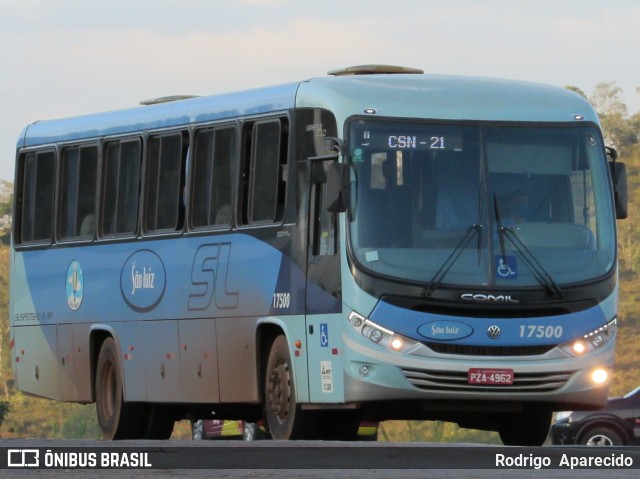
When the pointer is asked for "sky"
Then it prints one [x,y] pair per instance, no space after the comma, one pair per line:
[62,58]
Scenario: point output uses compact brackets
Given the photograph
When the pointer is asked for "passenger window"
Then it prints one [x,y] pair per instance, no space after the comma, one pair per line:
[264,171]
[213,171]
[164,206]
[77,217]
[121,186]
[36,201]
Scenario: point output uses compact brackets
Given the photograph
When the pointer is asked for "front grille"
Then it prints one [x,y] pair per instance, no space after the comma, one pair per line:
[457,381]
[445,348]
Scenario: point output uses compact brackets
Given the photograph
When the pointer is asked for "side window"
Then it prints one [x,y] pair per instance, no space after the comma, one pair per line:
[36,201]
[163,202]
[121,186]
[213,172]
[78,180]
[264,171]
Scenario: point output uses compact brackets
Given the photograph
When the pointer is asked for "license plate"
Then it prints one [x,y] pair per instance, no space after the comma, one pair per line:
[490,376]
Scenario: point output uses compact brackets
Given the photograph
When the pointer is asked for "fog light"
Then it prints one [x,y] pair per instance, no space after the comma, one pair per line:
[364,371]
[376,335]
[599,376]
[397,344]
[579,347]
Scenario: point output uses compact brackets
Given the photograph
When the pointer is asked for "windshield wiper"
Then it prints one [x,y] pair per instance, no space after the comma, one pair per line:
[472,231]
[538,271]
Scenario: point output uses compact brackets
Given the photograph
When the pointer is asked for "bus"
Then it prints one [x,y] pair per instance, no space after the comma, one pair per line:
[374,244]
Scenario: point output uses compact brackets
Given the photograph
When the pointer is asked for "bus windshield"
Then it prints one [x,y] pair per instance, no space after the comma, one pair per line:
[480,205]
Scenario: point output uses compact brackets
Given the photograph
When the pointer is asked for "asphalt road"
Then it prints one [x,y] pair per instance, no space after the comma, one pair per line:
[305,459]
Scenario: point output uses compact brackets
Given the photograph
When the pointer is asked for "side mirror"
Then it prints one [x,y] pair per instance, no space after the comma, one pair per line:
[337,187]
[619,178]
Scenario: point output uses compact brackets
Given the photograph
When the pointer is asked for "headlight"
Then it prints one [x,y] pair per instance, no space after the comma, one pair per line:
[381,335]
[594,340]
[562,415]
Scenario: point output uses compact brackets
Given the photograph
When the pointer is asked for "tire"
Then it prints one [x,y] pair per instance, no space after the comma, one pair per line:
[530,428]
[601,436]
[283,415]
[116,418]
[160,422]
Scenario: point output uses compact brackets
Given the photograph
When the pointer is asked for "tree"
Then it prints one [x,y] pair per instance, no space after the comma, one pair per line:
[622,131]
[614,115]
[6,197]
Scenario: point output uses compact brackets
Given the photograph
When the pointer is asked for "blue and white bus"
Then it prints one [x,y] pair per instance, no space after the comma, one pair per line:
[373,244]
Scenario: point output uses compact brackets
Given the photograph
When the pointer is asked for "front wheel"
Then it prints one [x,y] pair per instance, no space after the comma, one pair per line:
[601,436]
[283,414]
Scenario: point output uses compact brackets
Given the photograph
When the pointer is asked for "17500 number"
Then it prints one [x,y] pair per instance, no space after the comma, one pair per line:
[540,331]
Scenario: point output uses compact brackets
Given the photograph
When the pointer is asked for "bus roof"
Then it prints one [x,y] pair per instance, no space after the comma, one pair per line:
[412,95]
[159,115]
[445,97]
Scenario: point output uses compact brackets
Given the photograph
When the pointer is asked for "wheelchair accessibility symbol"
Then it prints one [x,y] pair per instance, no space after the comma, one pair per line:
[506,267]
[324,335]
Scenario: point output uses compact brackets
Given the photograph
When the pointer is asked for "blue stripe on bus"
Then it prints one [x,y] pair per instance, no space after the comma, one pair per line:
[217,276]
[513,331]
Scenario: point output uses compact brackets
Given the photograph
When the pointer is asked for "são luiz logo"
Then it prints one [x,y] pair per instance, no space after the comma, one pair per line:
[75,285]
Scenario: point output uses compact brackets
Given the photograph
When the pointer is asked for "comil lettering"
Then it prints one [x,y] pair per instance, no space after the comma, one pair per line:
[489,298]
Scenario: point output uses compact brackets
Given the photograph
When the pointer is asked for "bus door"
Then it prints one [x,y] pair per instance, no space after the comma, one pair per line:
[323,291]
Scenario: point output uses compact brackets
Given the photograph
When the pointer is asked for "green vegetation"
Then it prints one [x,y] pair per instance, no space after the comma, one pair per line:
[23,416]
[623,132]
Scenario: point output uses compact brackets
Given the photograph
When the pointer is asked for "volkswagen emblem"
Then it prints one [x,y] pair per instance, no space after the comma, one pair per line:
[493,332]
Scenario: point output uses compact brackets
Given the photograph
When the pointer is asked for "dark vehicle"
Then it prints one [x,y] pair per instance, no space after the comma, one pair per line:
[617,424]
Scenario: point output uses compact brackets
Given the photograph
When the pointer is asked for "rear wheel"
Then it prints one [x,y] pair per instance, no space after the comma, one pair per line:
[116,418]
[601,436]
[284,417]
[160,422]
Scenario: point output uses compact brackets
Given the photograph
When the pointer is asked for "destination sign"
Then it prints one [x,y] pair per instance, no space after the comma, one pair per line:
[431,141]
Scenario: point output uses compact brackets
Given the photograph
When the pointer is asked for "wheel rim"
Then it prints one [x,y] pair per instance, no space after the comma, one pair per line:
[280,392]
[600,440]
